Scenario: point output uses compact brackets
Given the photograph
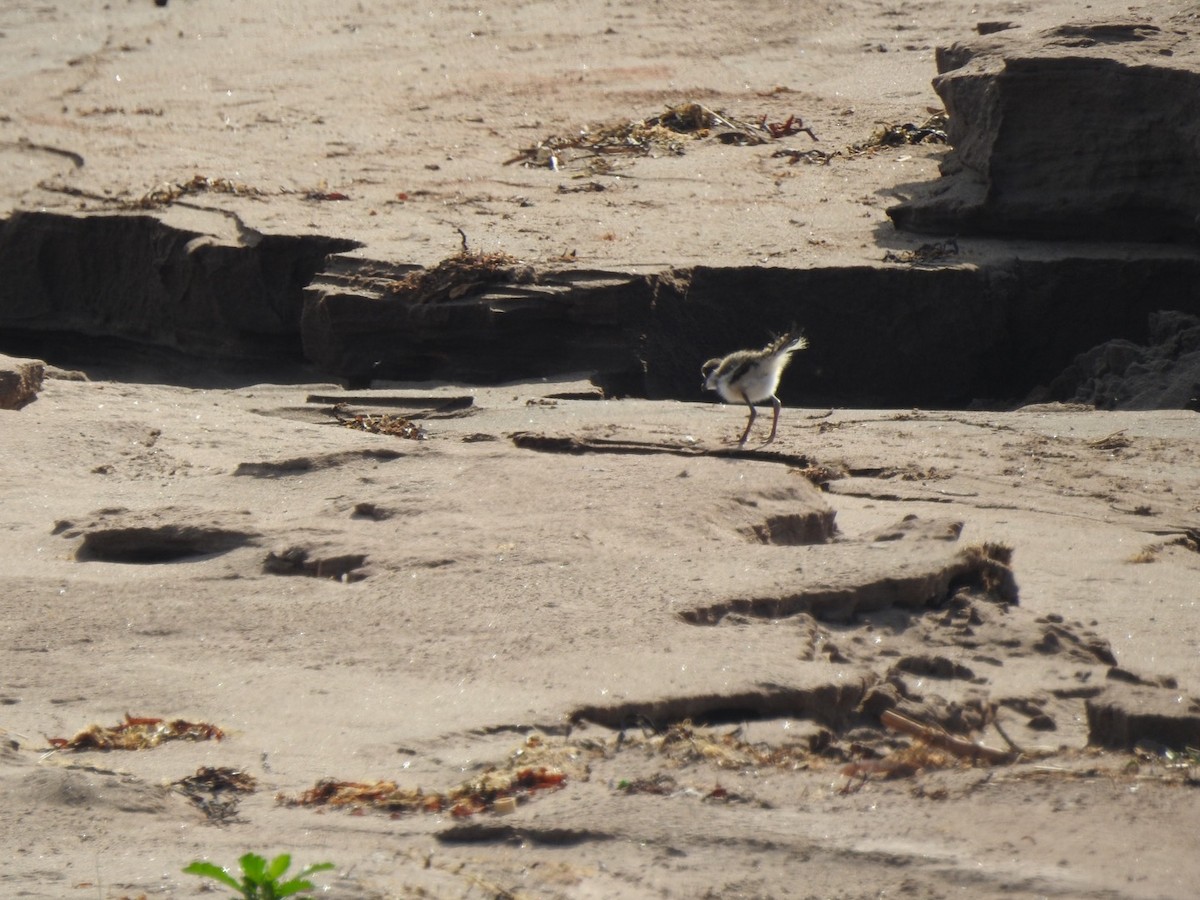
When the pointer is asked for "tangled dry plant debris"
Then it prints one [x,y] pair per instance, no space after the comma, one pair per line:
[931,131]
[540,764]
[1118,440]
[460,275]
[933,748]
[110,110]
[822,474]
[683,743]
[543,765]
[168,192]
[665,785]
[496,790]
[138,733]
[384,423]
[1149,762]
[1189,540]
[663,134]
[905,762]
[536,765]
[925,255]
[216,790]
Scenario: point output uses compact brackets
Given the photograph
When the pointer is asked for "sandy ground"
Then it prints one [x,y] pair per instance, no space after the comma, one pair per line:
[496,605]
[504,590]
[411,111]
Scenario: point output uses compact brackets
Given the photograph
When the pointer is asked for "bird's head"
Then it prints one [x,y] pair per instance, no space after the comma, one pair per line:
[709,371]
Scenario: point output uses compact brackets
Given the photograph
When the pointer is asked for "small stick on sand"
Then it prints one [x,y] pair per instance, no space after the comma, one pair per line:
[939,738]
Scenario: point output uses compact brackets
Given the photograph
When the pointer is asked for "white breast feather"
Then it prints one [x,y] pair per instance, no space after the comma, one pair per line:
[762,380]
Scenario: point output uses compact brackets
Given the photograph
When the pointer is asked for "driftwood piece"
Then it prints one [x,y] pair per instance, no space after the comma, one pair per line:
[936,737]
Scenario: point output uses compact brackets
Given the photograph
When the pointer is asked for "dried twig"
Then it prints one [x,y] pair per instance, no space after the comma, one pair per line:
[937,737]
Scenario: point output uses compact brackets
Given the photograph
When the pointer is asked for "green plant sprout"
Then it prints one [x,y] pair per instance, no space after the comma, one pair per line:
[260,879]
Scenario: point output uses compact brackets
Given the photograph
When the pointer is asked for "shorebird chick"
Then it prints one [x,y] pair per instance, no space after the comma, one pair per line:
[752,376]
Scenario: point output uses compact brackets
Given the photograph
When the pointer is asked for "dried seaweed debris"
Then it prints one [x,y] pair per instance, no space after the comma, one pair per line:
[460,275]
[662,134]
[138,733]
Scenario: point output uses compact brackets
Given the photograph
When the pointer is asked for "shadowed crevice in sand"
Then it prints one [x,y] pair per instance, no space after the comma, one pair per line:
[335,410]
[137,277]
[932,666]
[1055,639]
[830,703]
[168,543]
[486,833]
[1125,715]
[795,529]
[569,444]
[1005,328]
[847,489]
[432,403]
[298,465]
[916,664]
[985,565]
[298,561]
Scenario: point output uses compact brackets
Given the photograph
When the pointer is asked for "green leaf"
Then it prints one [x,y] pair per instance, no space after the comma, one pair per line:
[215,872]
[301,882]
[295,886]
[278,866]
[254,868]
[260,879]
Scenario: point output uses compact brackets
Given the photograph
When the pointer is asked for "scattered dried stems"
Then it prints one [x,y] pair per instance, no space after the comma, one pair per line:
[138,733]
[662,135]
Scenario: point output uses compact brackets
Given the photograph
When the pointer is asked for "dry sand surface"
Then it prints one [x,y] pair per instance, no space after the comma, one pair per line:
[504,589]
[673,656]
[415,112]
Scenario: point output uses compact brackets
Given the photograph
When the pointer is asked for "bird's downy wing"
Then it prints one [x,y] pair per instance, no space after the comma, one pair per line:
[735,367]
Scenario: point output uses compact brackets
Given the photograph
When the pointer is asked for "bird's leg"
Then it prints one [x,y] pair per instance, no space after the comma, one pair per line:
[775,421]
[749,422]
